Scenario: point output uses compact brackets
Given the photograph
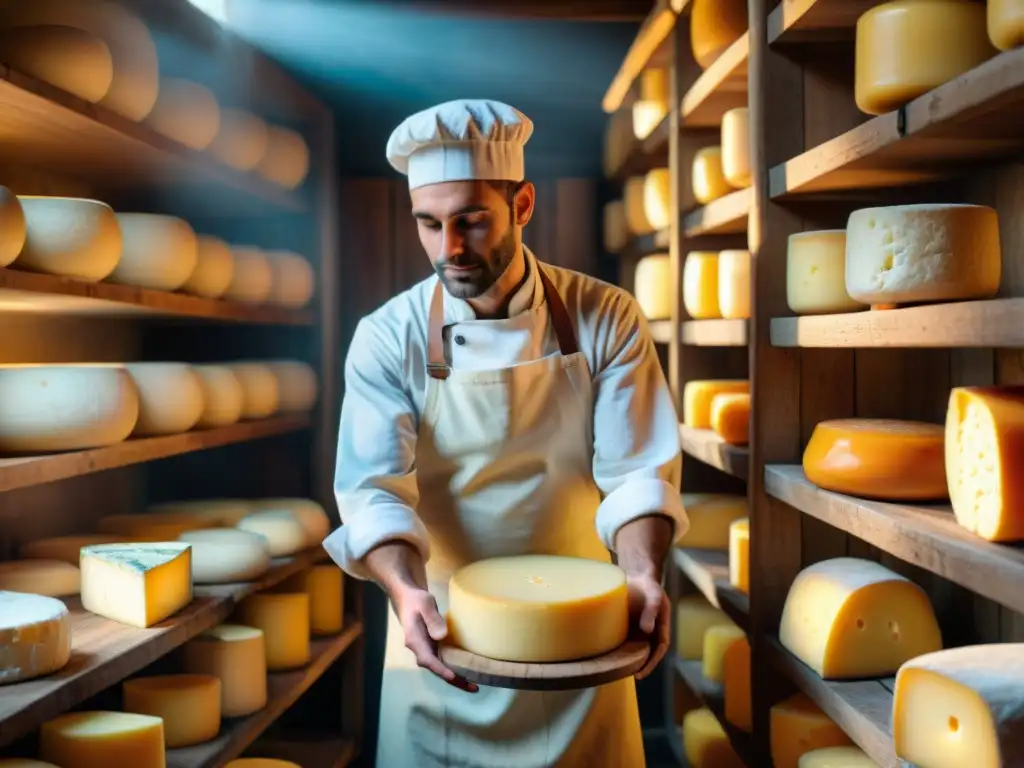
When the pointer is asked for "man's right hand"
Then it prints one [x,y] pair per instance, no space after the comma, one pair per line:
[424,629]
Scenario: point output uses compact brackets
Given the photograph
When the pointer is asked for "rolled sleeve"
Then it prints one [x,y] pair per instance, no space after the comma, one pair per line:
[375,478]
[637,456]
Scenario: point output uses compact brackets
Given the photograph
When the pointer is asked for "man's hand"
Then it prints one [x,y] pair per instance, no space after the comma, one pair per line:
[649,610]
[424,629]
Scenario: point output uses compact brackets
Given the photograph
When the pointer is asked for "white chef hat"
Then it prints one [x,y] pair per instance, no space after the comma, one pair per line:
[461,140]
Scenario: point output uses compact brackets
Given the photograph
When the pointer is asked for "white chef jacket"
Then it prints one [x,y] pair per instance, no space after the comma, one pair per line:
[636,459]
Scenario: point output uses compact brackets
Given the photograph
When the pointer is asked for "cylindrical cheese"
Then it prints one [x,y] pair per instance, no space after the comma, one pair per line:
[292,282]
[160,252]
[237,656]
[260,394]
[186,112]
[35,636]
[310,514]
[69,58]
[223,396]
[214,270]
[734,284]
[616,231]
[710,515]
[241,141]
[282,529]
[700,285]
[13,229]
[705,742]
[227,555]
[736,147]
[816,273]
[652,286]
[914,253]
[707,175]
[538,608]
[284,621]
[51,578]
[908,47]
[67,549]
[189,705]
[286,161]
[647,115]
[730,417]
[170,397]
[716,641]
[70,237]
[297,385]
[698,395]
[325,586]
[739,554]
[657,201]
[633,199]
[1006,23]
[253,278]
[90,739]
[714,26]
[65,408]
[218,513]
[694,617]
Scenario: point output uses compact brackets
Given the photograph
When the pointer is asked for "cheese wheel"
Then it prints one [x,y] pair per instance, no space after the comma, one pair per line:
[227,555]
[695,616]
[170,397]
[653,84]
[292,283]
[253,278]
[961,707]
[878,459]
[734,284]
[798,726]
[1005,23]
[736,147]
[325,585]
[67,549]
[706,743]
[297,385]
[51,578]
[189,705]
[35,636]
[166,526]
[736,681]
[707,175]
[241,141]
[65,408]
[816,273]
[12,227]
[652,286]
[710,516]
[186,112]
[616,231]
[87,739]
[24,762]
[214,270]
[69,58]
[223,396]
[836,757]
[538,608]
[730,417]
[657,201]
[70,237]
[286,161]
[906,48]
[310,514]
[647,115]
[160,252]
[218,513]
[284,620]
[633,198]
[283,531]
[699,394]
[848,618]
[700,285]
[261,762]
[260,393]
[739,555]
[236,656]
[911,253]
[716,642]
[714,26]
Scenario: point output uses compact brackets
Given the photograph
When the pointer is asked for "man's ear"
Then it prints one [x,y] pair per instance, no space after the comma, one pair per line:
[523,200]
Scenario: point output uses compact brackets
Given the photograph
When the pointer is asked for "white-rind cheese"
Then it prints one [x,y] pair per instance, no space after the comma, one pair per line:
[214,270]
[35,636]
[227,555]
[70,237]
[69,58]
[223,396]
[309,513]
[160,252]
[186,112]
[282,529]
[170,397]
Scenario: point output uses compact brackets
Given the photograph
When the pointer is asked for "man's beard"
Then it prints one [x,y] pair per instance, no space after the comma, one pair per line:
[486,269]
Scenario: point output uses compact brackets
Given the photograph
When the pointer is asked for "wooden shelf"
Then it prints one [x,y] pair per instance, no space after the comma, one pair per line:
[25,471]
[796,21]
[104,652]
[306,750]
[644,245]
[925,536]
[712,696]
[995,323]
[724,216]
[862,708]
[656,141]
[283,690]
[708,571]
[715,333]
[33,292]
[977,117]
[647,49]
[722,86]
[661,331]
[706,446]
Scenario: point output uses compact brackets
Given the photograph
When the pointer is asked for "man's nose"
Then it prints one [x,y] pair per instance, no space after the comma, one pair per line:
[452,241]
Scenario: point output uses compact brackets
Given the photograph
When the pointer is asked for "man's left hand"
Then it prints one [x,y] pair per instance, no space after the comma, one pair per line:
[650,612]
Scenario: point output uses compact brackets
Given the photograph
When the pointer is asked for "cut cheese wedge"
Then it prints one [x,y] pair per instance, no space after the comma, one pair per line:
[706,743]
[88,739]
[699,394]
[717,640]
[798,726]
[695,616]
[52,578]
[189,705]
[236,656]
[282,529]
[64,548]
[170,398]
[700,285]
[538,608]
[284,620]
[227,555]
[69,58]
[849,618]
[730,417]
[214,269]
[186,112]
[739,555]
[710,516]
[737,683]
[836,757]
[70,237]
[35,636]
[961,707]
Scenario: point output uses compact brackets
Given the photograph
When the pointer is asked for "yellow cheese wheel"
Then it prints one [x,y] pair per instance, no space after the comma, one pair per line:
[226,555]
[186,112]
[710,516]
[325,586]
[87,739]
[297,385]
[878,458]
[160,252]
[616,231]
[908,47]
[736,147]
[189,705]
[816,273]
[69,58]
[70,237]
[695,616]
[730,417]
[739,555]
[1005,23]
[309,513]
[799,726]
[647,115]
[734,284]
[235,655]
[253,278]
[698,395]
[653,84]
[657,203]
[538,608]
[636,214]
[170,397]
[652,286]
[35,637]
[292,284]
[12,225]
[282,529]
[65,408]
[260,393]
[214,270]
[241,141]
[67,549]
[717,640]
[836,757]
[736,681]
[706,743]
[700,285]
[51,578]
[223,396]
[708,176]
[714,26]
[286,161]
[284,620]
[160,526]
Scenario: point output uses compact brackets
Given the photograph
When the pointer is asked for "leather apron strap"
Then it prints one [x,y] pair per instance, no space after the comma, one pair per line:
[437,368]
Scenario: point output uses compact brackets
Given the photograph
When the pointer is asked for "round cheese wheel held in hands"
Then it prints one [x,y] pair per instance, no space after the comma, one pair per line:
[70,237]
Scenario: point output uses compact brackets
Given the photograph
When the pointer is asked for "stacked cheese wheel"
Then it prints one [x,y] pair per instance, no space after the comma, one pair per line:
[652,105]
[719,521]
[721,405]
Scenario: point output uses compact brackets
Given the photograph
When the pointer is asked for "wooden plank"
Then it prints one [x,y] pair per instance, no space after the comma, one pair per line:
[705,445]
[661,331]
[815,20]
[708,571]
[725,216]
[649,40]
[722,87]
[103,652]
[283,690]
[25,471]
[925,536]
[644,245]
[715,333]
[712,695]
[967,324]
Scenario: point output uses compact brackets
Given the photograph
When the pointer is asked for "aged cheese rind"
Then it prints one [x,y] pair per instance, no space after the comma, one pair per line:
[214,269]
[159,252]
[88,739]
[188,705]
[284,620]
[325,585]
[237,656]
[72,59]
[281,528]
[309,513]
[798,726]
[35,636]
[227,555]
[70,237]
[223,396]
[51,578]
[616,230]
[170,398]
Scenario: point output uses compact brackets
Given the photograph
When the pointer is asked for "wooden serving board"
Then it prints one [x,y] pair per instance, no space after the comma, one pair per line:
[624,661]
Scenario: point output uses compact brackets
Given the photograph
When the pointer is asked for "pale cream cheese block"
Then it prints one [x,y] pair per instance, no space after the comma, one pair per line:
[35,636]
[657,202]
[736,147]
[707,175]
[292,284]
[260,392]
[286,161]
[309,513]
[284,620]
[237,656]
[816,273]
[223,396]
[160,252]
[961,707]
[92,739]
[64,548]
[636,213]
[214,269]
[283,530]
[616,231]
[189,705]
[919,253]
[72,59]
[70,237]
[186,112]
[13,229]
[297,385]
[538,608]
[325,585]
[734,284]
[241,141]
[65,408]
[51,578]
[170,397]
[218,512]
[652,286]
[227,555]
[252,281]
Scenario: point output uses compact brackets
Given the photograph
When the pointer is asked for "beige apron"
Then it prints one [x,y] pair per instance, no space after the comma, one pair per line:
[503,465]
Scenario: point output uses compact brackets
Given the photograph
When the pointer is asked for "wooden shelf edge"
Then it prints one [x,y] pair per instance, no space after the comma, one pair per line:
[644,245]
[661,331]
[712,696]
[727,215]
[26,471]
[704,445]
[721,87]
[715,333]
[653,32]
[708,571]
[928,537]
[800,20]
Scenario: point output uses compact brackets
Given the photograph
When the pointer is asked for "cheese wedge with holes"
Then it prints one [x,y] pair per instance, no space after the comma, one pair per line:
[159,252]
[714,26]
[710,516]
[836,757]
[736,147]
[798,726]
[69,58]
[698,395]
[223,396]
[730,417]
[716,642]
[961,707]
[695,616]
[189,705]
[170,398]
[284,620]
[281,528]
[737,685]
[816,273]
[657,198]
[35,636]
[700,285]
[325,585]
[1005,22]
[87,739]
[849,618]
[739,554]
[227,555]
[214,269]
[984,438]
[137,584]
[64,548]
[734,284]
[237,656]
[52,578]
[706,743]
[707,175]
[652,286]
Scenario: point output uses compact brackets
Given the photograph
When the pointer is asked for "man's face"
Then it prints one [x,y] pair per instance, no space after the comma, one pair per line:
[468,230]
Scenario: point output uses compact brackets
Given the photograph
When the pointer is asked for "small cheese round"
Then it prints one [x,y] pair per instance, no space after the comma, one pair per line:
[736,147]
[616,231]
[816,273]
[293,281]
[223,396]
[160,252]
[636,214]
[69,58]
[538,608]
[12,226]
[1006,23]
[284,621]
[284,532]
[297,385]
[286,161]
[221,513]
[67,549]
[241,141]
[170,397]
[657,200]
[237,656]
[253,278]
[312,516]
[227,555]
[325,585]
[65,408]
[714,26]
[908,47]
[52,578]
[70,237]
[189,705]
[35,636]
[707,175]
[215,268]
[710,516]
[878,458]
[186,112]
[739,554]
[261,395]
[652,286]
[700,285]
[734,284]
[86,739]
